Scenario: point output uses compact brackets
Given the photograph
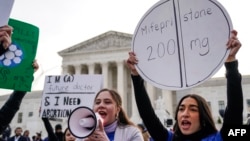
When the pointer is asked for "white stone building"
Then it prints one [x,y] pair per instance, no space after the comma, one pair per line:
[106,54]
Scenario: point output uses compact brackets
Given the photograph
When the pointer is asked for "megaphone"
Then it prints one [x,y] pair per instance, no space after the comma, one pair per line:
[82,122]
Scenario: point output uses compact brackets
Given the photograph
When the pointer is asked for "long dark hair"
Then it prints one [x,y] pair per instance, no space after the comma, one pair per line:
[122,116]
[64,133]
[206,120]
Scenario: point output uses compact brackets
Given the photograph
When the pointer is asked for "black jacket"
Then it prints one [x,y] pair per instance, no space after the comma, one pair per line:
[232,116]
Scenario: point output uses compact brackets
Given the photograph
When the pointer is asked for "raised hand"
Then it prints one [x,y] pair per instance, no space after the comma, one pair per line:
[234,44]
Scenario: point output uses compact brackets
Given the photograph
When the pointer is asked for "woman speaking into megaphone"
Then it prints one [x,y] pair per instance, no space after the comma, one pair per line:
[115,124]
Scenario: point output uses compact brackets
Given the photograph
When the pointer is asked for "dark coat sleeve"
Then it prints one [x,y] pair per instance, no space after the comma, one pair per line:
[49,129]
[146,111]
[234,110]
[9,109]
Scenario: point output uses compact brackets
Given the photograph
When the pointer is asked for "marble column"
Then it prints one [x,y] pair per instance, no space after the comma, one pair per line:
[121,82]
[135,113]
[91,68]
[64,69]
[105,74]
[77,69]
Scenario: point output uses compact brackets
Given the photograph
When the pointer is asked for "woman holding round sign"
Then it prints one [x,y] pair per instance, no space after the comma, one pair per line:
[193,116]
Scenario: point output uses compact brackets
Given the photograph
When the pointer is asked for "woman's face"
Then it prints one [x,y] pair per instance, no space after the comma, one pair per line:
[106,107]
[188,116]
[69,136]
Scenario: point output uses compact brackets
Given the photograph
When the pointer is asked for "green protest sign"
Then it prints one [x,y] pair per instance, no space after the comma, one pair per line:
[16,70]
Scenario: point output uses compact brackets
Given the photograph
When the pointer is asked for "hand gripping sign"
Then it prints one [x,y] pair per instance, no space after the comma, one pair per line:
[181,43]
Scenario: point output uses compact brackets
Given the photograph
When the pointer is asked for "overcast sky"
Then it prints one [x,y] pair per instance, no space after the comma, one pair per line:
[64,23]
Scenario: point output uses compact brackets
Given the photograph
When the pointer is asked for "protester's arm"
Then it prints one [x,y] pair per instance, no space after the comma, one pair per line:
[146,111]
[9,109]
[49,129]
[234,110]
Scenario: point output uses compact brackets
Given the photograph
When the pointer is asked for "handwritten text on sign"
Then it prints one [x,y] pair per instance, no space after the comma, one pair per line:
[181,43]
[63,93]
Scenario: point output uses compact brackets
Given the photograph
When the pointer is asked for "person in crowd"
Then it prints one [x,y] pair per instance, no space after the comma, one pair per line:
[26,134]
[33,138]
[193,117]
[38,136]
[67,136]
[18,135]
[58,132]
[11,106]
[114,124]
[6,134]
[53,136]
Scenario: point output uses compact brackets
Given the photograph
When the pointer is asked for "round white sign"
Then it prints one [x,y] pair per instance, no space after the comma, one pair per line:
[181,43]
